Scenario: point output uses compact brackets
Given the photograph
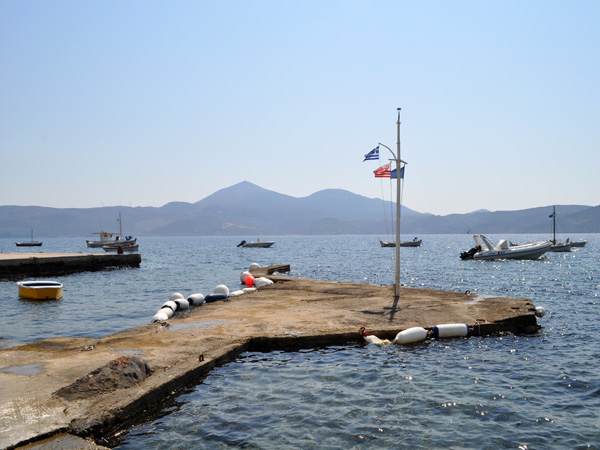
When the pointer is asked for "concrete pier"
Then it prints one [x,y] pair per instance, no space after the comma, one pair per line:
[58,385]
[53,264]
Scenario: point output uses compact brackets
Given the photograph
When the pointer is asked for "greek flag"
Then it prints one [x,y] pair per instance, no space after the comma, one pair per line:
[373,154]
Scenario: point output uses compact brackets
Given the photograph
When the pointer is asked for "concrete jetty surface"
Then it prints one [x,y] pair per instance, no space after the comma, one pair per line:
[16,264]
[93,387]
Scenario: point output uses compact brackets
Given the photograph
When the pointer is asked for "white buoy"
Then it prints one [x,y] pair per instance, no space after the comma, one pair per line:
[182,303]
[160,316]
[168,311]
[450,330]
[540,311]
[196,299]
[244,275]
[410,335]
[248,290]
[236,293]
[261,281]
[175,296]
[254,266]
[221,289]
[170,304]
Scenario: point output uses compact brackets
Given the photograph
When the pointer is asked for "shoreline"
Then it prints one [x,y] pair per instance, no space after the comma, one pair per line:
[47,396]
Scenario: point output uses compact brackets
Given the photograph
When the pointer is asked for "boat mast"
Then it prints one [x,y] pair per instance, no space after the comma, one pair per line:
[398,161]
[554,225]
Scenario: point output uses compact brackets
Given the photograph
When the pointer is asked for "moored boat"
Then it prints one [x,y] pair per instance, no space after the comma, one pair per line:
[31,243]
[485,250]
[40,289]
[556,245]
[258,243]
[414,243]
[112,238]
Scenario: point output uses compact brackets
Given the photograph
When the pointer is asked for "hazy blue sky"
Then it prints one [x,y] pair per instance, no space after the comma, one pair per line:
[140,103]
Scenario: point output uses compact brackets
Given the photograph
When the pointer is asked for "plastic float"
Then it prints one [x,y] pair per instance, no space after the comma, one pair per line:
[171,305]
[540,311]
[245,275]
[160,316]
[247,290]
[262,281]
[236,293]
[371,339]
[411,335]
[182,303]
[221,289]
[450,330]
[196,299]
[175,296]
[210,298]
[254,266]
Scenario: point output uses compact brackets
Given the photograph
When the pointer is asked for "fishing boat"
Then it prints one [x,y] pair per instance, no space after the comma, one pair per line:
[112,238]
[257,244]
[40,289]
[580,243]
[31,243]
[485,250]
[120,248]
[564,246]
[414,243]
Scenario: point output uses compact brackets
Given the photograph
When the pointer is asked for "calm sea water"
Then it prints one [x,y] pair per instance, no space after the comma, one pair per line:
[531,392]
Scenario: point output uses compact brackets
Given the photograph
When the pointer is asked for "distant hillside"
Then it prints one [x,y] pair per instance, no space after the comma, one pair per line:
[246,209]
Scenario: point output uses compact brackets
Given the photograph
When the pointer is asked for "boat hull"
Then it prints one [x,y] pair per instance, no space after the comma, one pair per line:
[98,244]
[265,244]
[416,243]
[125,248]
[528,251]
[28,244]
[40,290]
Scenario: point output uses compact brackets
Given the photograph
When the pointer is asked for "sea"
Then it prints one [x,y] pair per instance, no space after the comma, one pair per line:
[506,391]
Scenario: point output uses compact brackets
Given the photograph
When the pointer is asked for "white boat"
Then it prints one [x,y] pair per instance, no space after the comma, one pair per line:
[558,246]
[258,243]
[485,250]
[110,238]
[414,243]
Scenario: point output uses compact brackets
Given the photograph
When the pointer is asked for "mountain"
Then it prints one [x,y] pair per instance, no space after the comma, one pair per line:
[248,210]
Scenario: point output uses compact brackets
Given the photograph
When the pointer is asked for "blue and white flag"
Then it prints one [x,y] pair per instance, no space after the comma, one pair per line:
[395,173]
[373,154]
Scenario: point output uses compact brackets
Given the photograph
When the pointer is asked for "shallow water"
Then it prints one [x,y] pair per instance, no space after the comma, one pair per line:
[540,391]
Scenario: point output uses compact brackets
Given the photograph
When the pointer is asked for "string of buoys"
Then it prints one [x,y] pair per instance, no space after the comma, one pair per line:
[418,334]
[177,302]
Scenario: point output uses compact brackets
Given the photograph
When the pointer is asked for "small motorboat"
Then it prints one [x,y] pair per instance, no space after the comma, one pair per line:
[578,243]
[414,243]
[120,248]
[485,250]
[40,289]
[258,243]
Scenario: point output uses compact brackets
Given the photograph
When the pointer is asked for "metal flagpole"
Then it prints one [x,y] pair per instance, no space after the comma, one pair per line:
[398,177]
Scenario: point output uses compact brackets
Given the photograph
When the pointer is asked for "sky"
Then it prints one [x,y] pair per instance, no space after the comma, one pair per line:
[142,103]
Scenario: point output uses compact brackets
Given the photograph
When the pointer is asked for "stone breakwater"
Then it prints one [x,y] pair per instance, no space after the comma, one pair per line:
[43,384]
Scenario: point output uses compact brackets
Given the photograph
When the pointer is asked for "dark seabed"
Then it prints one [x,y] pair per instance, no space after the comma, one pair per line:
[528,392]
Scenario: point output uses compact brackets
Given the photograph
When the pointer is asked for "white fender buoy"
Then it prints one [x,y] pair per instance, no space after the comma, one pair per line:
[370,339]
[221,289]
[262,281]
[168,311]
[182,303]
[244,275]
[236,293]
[254,266]
[540,311]
[410,335]
[450,330]
[196,299]
[160,316]
[248,290]
[175,296]
[170,304]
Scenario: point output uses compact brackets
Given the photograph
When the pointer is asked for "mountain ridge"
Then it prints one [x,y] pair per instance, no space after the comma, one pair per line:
[248,209]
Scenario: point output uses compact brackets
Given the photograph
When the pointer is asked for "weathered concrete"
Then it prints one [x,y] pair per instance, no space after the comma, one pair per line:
[290,314]
[52,264]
